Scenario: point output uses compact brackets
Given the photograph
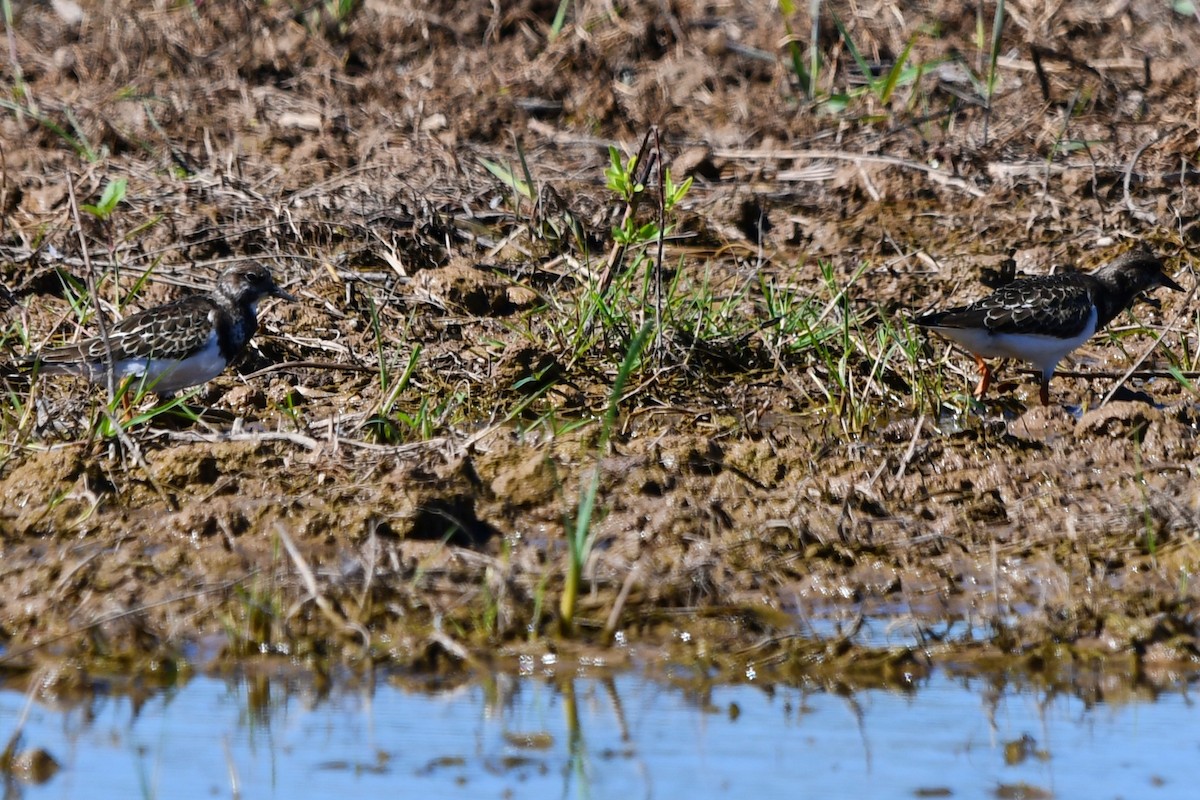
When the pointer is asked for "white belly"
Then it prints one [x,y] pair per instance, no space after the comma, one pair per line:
[167,376]
[1044,352]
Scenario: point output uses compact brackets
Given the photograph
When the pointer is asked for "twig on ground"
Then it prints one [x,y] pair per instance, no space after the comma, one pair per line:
[1145,216]
[858,158]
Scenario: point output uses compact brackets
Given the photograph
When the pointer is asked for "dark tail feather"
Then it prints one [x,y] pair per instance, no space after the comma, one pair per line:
[930,320]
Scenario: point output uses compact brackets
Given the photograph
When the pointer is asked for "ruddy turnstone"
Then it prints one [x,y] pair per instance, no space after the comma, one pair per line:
[1041,319]
[176,345]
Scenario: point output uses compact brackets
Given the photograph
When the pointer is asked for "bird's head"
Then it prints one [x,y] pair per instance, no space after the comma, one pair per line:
[249,283]
[1136,271]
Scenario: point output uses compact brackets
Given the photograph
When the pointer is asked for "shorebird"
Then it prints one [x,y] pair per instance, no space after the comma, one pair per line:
[172,346]
[1040,320]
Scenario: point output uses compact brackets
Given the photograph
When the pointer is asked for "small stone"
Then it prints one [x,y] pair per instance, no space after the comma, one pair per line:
[68,11]
[304,122]
[434,123]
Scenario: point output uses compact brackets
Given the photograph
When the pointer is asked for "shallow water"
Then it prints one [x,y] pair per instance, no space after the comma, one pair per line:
[620,737]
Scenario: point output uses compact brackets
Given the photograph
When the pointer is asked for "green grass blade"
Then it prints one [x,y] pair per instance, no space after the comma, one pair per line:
[377,332]
[804,77]
[506,177]
[560,19]
[858,58]
[994,54]
[580,539]
[895,73]
[587,502]
[1183,380]
[814,52]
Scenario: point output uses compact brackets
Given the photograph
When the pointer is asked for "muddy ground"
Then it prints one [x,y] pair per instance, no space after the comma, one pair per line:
[748,514]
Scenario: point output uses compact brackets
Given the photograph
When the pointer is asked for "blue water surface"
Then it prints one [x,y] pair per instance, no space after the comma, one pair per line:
[622,737]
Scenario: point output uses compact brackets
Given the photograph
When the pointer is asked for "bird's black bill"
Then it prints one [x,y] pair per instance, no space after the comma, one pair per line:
[279,292]
[1167,282]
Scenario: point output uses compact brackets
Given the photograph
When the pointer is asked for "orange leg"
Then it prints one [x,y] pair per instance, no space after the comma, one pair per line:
[985,378]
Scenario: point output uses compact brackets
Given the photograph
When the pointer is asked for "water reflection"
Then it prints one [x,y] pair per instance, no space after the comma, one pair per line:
[624,736]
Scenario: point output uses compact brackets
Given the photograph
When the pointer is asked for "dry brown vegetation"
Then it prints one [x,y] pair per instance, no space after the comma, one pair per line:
[392,475]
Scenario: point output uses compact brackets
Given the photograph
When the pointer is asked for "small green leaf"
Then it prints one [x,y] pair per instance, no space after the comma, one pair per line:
[673,193]
[110,198]
[614,159]
[114,193]
[647,233]
[835,103]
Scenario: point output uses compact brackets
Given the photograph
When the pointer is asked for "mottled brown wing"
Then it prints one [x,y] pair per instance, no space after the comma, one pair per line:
[1054,305]
[170,331]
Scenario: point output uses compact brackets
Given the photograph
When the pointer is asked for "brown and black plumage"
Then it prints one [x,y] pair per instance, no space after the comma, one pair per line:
[1040,320]
[176,345]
